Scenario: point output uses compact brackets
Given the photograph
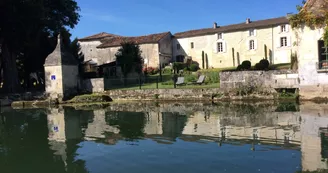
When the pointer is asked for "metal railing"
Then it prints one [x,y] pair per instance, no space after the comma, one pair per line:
[322,65]
[144,82]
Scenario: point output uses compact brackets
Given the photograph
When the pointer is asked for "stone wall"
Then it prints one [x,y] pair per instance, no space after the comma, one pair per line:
[164,94]
[94,85]
[266,80]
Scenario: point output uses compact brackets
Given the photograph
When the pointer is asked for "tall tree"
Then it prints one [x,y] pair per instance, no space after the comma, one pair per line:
[129,57]
[23,26]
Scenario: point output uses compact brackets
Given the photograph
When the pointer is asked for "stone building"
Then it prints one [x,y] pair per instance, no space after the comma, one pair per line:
[61,73]
[312,55]
[101,48]
[229,46]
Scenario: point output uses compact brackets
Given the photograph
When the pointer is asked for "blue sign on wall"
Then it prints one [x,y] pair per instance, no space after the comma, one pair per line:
[53,77]
[56,129]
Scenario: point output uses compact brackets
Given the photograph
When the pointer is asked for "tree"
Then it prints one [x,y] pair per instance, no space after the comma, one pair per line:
[25,25]
[128,57]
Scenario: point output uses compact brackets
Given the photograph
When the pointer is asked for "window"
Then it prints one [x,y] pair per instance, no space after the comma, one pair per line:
[220,47]
[178,46]
[220,36]
[252,32]
[251,45]
[283,28]
[283,41]
[192,45]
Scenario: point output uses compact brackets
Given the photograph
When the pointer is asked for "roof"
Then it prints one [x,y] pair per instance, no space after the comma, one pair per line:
[316,7]
[234,27]
[60,56]
[116,41]
[98,36]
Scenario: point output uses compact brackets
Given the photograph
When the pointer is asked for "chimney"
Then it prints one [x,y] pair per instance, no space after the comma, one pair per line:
[215,25]
[248,21]
[289,14]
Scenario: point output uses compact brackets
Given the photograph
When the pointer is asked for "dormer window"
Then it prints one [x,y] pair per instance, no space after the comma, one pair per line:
[252,32]
[283,28]
[220,36]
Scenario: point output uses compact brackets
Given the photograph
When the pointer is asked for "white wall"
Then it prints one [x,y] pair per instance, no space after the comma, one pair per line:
[239,40]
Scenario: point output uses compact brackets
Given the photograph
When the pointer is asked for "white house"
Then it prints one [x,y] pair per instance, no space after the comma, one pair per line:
[229,46]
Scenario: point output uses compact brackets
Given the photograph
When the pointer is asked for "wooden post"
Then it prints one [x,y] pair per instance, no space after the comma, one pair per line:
[157,82]
[139,81]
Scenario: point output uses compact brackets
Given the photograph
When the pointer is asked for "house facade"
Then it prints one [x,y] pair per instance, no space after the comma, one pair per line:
[312,55]
[229,46]
[156,48]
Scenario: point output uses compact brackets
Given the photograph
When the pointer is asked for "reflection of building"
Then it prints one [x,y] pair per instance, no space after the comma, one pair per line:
[97,128]
[57,136]
[276,128]
[314,118]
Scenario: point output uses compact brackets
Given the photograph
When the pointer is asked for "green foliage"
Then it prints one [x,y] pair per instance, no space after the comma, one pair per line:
[262,65]
[194,67]
[311,20]
[27,29]
[177,66]
[167,70]
[212,77]
[190,78]
[129,57]
[247,65]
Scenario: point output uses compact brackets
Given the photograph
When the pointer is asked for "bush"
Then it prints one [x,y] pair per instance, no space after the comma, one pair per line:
[265,64]
[239,68]
[179,66]
[246,65]
[194,67]
[259,66]
[167,71]
[190,78]
[212,77]
[150,70]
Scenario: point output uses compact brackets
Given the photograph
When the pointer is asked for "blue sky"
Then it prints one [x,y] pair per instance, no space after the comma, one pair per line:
[141,17]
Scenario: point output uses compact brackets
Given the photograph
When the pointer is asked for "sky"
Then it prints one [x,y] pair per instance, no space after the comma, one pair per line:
[142,17]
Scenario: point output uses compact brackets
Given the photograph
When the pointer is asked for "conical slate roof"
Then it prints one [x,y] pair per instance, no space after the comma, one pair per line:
[316,7]
[60,56]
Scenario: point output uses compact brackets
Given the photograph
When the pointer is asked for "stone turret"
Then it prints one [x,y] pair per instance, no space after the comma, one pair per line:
[61,72]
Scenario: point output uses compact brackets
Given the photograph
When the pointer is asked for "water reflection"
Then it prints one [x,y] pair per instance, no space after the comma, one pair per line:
[169,137]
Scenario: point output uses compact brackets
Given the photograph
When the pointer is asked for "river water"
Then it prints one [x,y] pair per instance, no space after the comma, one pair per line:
[166,138]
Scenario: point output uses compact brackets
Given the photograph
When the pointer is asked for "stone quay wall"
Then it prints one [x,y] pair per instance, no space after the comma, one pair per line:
[95,85]
[264,80]
[165,94]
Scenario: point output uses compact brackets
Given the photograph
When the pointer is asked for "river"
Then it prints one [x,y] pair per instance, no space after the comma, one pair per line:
[166,138]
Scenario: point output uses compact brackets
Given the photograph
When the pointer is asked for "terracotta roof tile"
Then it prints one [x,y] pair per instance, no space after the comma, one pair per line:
[98,36]
[116,41]
[317,7]
[234,27]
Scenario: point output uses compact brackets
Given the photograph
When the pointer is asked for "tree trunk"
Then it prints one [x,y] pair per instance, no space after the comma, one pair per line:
[11,83]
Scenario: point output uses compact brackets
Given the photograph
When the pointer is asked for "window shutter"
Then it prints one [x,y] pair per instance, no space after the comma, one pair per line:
[255,32]
[279,29]
[255,44]
[217,36]
[215,47]
[287,27]
[224,47]
[289,41]
[278,43]
[248,45]
[222,36]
